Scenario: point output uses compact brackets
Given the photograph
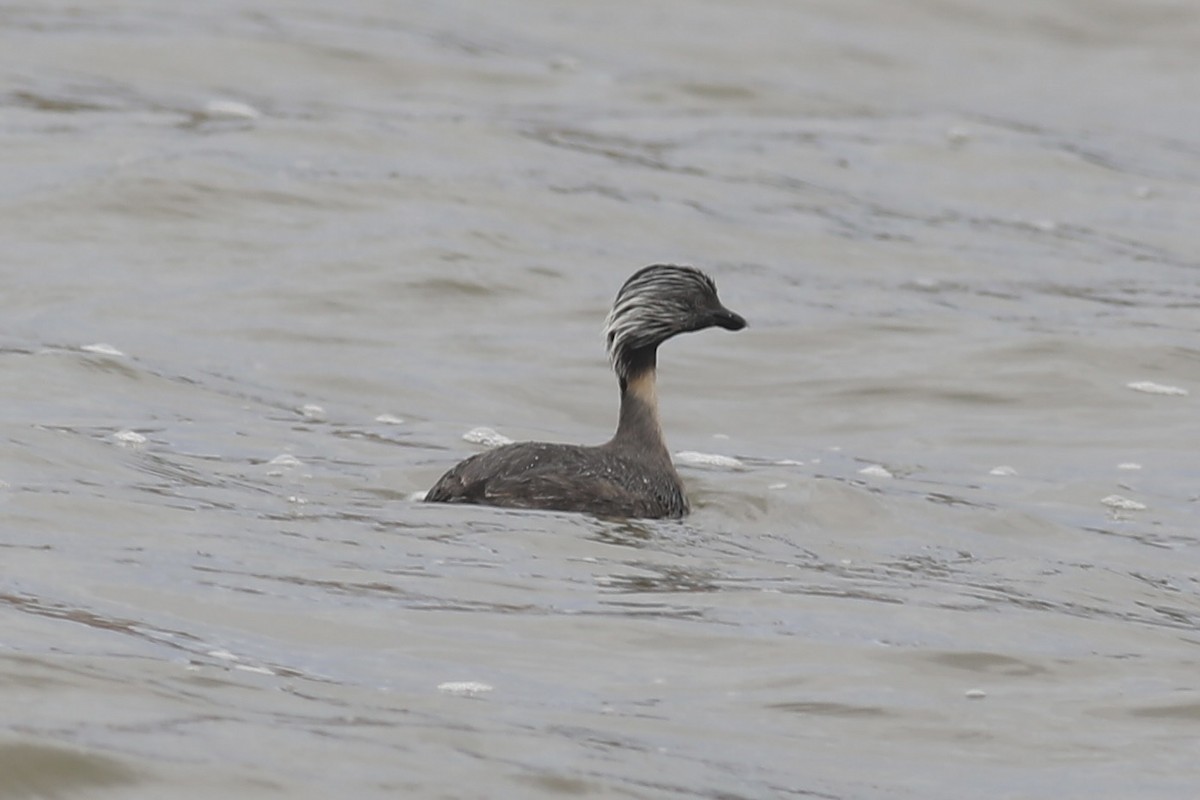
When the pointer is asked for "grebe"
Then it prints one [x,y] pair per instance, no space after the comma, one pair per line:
[631,475]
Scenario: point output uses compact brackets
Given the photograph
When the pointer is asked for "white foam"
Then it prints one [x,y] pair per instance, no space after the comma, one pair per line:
[876,471]
[957,134]
[466,688]
[789,462]
[777,486]
[128,438]
[231,109]
[312,411]
[1150,387]
[1002,470]
[100,348]
[255,670]
[1119,503]
[389,419]
[1129,465]
[417,497]
[285,460]
[695,459]
[486,437]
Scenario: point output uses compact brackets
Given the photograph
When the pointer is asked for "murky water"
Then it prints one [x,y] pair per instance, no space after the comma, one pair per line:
[265,263]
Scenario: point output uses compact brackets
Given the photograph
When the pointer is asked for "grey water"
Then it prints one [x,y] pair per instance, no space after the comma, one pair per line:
[266,263]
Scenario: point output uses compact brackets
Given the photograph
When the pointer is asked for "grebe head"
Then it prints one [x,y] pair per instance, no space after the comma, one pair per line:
[658,302]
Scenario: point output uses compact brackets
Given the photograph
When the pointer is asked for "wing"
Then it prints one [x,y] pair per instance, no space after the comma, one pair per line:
[558,478]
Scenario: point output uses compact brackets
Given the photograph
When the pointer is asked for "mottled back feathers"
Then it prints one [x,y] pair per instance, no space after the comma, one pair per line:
[563,477]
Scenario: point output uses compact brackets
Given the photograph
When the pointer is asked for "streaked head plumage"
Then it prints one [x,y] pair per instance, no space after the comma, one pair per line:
[658,302]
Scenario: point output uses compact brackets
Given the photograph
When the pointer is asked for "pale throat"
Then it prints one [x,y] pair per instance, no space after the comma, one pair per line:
[643,386]
[639,411]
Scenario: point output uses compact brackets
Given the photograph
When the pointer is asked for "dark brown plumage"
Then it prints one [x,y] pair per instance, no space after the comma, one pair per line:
[631,475]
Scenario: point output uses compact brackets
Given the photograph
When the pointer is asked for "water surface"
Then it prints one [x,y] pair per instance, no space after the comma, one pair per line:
[266,263]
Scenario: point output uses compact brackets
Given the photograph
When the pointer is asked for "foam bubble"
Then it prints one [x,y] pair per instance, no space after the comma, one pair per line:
[1119,503]
[100,348]
[876,471]
[231,109]
[695,459]
[486,437]
[1150,387]
[128,438]
[1002,470]
[465,688]
[312,411]
[957,134]
[255,670]
[389,419]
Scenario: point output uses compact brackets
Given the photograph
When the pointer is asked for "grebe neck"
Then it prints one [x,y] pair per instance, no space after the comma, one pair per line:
[639,429]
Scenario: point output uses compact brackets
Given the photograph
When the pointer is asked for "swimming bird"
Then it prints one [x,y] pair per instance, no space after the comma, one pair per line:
[630,475]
